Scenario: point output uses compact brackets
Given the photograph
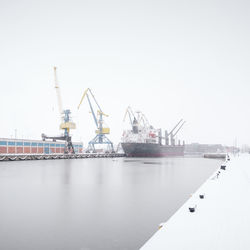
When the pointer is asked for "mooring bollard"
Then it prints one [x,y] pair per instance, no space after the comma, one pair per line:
[192,209]
[223,167]
[202,196]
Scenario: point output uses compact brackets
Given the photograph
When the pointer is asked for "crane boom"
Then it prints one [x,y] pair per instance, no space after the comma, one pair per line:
[84,94]
[179,129]
[144,119]
[92,111]
[99,112]
[58,93]
[125,115]
[96,101]
[129,111]
[175,126]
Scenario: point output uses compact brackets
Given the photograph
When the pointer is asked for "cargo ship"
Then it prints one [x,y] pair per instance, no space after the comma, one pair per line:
[143,140]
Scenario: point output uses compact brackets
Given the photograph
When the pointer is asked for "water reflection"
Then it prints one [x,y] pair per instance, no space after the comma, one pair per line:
[93,203]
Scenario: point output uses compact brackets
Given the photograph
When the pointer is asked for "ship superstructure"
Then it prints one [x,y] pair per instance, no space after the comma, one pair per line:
[142,131]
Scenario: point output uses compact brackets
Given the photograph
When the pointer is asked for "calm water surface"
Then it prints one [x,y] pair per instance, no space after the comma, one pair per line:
[93,203]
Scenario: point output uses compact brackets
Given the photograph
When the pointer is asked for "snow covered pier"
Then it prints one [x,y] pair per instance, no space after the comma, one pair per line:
[216,217]
[215,156]
[24,157]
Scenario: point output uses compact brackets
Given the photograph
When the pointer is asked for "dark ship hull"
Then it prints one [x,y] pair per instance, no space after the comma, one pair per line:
[152,150]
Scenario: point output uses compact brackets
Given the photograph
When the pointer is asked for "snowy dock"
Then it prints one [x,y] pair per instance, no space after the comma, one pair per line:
[23,157]
[215,155]
[216,217]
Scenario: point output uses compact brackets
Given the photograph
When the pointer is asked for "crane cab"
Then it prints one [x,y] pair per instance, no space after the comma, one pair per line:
[105,131]
[68,125]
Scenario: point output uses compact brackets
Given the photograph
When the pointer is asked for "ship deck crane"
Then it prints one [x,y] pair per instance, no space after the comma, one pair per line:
[101,131]
[172,134]
[66,123]
[144,119]
[141,120]
[133,120]
[131,115]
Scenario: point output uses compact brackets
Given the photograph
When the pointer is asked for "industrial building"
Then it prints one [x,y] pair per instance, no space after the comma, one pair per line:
[23,146]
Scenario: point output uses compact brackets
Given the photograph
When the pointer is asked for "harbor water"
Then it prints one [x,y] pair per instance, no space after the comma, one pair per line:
[87,204]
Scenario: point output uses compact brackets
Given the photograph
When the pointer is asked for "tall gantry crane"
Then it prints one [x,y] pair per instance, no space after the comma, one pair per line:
[66,123]
[101,131]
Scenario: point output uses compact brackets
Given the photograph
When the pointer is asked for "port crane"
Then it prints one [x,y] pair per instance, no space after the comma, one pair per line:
[101,131]
[66,123]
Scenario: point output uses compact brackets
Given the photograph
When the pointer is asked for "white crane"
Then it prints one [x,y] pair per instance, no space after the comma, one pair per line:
[58,93]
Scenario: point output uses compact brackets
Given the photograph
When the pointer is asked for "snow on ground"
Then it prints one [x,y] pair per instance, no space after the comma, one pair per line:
[221,220]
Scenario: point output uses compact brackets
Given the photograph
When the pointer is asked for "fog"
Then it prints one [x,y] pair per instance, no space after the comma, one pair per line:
[169,59]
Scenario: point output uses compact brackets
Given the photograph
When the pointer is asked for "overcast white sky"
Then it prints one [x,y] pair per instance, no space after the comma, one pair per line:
[170,59]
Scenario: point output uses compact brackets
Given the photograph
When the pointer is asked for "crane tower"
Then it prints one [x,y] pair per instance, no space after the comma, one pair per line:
[101,131]
[66,123]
